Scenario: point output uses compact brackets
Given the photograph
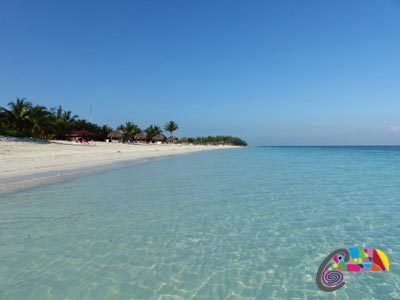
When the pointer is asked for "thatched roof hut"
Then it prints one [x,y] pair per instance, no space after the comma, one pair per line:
[159,138]
[141,137]
[172,139]
[119,135]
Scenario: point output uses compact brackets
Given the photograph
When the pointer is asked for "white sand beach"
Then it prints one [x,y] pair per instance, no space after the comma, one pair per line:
[24,161]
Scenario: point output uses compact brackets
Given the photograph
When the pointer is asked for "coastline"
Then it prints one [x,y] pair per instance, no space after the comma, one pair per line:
[26,163]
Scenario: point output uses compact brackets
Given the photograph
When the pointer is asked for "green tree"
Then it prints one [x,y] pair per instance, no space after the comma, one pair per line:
[121,127]
[64,122]
[132,129]
[40,119]
[85,125]
[129,128]
[171,126]
[153,130]
[104,131]
[17,116]
[3,120]
[218,140]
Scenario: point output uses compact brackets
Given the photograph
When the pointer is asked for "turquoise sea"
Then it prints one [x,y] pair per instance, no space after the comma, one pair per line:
[251,223]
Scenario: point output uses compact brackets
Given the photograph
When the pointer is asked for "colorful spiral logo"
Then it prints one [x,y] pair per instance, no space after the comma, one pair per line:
[330,273]
[329,278]
[332,278]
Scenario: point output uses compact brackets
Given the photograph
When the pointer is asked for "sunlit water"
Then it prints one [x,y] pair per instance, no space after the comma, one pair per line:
[250,223]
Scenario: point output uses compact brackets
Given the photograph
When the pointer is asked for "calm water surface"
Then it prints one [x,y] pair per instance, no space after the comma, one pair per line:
[250,223]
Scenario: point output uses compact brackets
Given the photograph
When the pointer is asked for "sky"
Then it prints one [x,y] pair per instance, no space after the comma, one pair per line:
[272,72]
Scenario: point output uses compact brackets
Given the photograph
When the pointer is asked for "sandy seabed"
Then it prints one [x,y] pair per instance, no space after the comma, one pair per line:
[25,161]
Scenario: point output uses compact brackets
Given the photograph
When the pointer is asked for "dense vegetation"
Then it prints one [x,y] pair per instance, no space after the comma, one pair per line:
[216,140]
[22,119]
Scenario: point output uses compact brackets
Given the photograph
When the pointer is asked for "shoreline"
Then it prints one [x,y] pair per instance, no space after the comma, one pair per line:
[27,163]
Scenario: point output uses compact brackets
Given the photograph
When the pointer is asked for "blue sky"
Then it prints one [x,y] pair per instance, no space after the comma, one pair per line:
[272,72]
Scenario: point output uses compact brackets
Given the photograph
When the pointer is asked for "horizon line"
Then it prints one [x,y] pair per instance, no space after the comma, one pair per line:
[360,145]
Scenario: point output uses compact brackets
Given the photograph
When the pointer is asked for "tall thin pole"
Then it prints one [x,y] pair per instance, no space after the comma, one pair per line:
[91,115]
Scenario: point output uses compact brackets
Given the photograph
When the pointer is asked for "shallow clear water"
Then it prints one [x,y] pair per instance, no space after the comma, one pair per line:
[250,223]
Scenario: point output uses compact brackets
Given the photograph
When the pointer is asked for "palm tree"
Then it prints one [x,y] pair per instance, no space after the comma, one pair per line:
[104,131]
[171,126]
[132,128]
[17,116]
[64,122]
[40,119]
[153,130]
[129,128]
[121,127]
[3,120]
[57,111]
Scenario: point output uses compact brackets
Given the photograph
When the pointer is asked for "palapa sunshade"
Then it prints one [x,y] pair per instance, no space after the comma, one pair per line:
[117,134]
[141,136]
[159,138]
[172,139]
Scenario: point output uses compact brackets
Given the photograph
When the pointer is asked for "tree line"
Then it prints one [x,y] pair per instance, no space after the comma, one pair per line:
[217,140]
[132,129]
[23,119]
